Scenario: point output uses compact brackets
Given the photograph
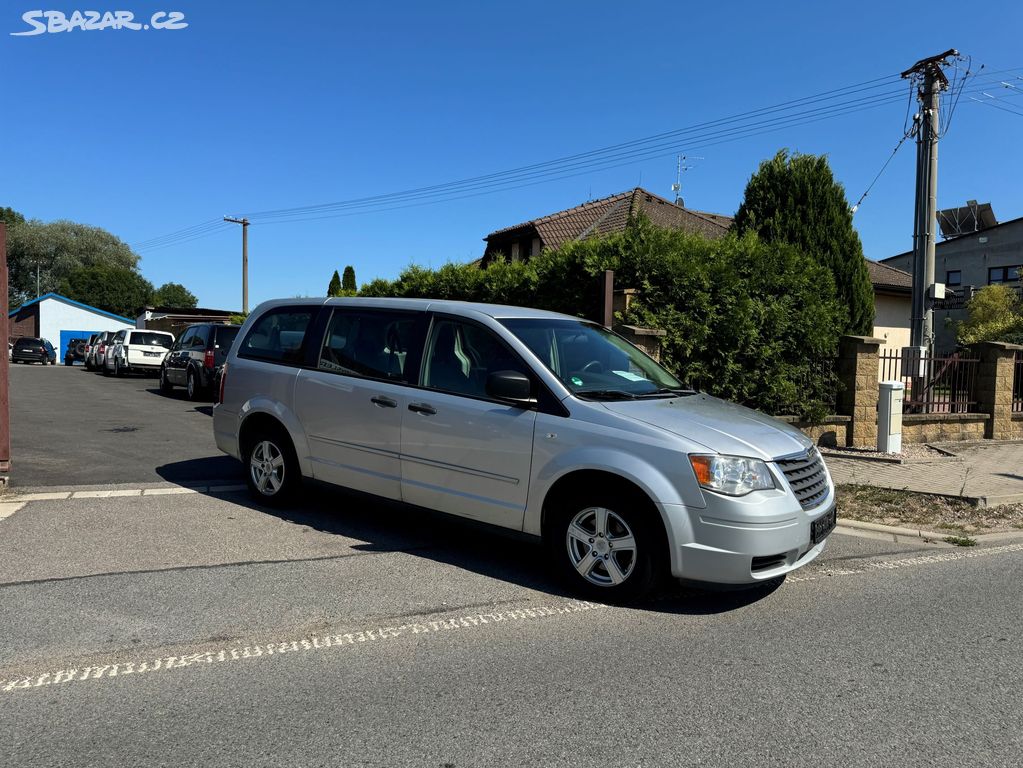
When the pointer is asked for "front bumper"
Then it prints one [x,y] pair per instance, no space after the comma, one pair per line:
[743,541]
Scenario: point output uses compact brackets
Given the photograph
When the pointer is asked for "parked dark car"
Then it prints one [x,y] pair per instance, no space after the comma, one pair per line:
[195,359]
[29,349]
[75,352]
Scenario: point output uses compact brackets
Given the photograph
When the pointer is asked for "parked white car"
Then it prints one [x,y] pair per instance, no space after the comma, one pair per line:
[543,423]
[137,351]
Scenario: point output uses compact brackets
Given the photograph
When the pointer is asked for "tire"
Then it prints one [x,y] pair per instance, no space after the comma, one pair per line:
[192,388]
[165,386]
[269,447]
[584,526]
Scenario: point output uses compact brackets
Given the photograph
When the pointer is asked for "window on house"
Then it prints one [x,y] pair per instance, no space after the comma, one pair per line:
[515,252]
[954,277]
[1003,275]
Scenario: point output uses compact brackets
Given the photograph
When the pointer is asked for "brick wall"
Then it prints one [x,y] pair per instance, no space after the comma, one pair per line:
[943,427]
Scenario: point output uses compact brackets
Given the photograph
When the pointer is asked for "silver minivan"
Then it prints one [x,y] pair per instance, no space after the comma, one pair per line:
[529,420]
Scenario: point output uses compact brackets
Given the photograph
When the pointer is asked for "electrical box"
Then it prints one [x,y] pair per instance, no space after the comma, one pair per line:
[889,416]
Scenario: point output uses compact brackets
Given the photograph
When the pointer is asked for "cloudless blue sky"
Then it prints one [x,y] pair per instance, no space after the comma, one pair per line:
[266,105]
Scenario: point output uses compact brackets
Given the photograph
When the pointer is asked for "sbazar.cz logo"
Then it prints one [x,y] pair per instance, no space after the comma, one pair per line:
[42,22]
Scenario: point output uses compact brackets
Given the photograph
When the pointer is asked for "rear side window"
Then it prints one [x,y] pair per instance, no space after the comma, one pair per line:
[225,335]
[278,336]
[369,343]
[202,335]
[150,339]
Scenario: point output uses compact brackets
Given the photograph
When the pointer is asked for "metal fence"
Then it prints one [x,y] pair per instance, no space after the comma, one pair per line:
[1017,384]
[934,384]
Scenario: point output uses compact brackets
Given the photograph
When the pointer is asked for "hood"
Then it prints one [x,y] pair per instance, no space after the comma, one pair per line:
[723,427]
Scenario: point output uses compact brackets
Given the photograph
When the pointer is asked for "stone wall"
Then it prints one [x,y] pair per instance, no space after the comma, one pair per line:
[833,432]
[943,427]
[1016,430]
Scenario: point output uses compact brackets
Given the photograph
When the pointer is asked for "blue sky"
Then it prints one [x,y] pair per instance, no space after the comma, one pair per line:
[262,105]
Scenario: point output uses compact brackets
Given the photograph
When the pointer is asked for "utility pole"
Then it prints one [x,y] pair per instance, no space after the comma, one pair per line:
[5,421]
[245,261]
[929,73]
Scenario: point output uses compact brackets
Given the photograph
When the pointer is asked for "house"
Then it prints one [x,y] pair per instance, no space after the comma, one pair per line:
[60,319]
[893,304]
[176,319]
[977,251]
[598,217]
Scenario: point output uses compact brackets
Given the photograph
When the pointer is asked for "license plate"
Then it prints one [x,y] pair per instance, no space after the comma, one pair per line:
[822,526]
[152,354]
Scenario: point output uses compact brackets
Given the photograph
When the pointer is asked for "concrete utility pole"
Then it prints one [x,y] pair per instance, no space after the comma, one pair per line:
[5,407]
[245,261]
[932,83]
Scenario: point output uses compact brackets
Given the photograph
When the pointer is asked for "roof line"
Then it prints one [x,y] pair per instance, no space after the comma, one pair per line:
[73,303]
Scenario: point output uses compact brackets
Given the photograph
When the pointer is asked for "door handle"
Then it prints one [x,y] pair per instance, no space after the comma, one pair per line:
[384,402]
[423,408]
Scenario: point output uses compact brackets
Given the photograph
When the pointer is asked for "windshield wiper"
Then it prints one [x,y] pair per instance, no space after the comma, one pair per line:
[669,391]
[606,394]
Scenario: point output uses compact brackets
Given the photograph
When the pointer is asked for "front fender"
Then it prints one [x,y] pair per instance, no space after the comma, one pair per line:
[659,487]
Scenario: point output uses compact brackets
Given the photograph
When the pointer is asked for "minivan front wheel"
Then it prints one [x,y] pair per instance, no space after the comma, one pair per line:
[604,545]
[272,473]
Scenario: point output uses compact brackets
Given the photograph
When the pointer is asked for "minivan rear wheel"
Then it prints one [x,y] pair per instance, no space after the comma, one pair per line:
[604,544]
[271,468]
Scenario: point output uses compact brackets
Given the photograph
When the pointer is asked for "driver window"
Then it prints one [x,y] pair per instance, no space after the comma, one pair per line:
[460,357]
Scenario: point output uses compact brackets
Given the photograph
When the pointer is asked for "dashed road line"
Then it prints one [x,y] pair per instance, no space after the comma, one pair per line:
[907,562]
[8,508]
[93,493]
[309,644]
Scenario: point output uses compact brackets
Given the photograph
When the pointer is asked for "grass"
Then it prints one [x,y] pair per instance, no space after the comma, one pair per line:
[940,514]
[960,541]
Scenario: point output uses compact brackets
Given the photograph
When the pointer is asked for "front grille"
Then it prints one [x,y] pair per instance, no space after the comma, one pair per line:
[807,477]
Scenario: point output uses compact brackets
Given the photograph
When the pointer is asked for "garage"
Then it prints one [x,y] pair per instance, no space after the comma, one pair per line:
[60,319]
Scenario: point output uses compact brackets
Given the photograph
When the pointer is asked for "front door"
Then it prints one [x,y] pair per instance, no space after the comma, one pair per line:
[462,451]
[352,404]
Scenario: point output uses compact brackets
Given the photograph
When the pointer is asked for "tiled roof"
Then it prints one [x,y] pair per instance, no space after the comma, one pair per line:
[611,214]
[883,276]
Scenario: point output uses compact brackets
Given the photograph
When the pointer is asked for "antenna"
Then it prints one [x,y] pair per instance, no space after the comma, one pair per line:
[682,166]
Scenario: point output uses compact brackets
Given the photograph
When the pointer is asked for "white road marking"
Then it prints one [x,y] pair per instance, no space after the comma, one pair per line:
[8,508]
[887,565]
[304,645]
[169,491]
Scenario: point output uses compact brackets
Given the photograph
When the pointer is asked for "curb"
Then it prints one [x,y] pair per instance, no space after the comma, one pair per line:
[915,533]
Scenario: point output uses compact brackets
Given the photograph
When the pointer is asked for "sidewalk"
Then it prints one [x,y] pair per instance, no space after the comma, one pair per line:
[984,474]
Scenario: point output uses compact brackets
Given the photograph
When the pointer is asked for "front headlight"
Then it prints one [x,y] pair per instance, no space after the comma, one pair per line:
[731,475]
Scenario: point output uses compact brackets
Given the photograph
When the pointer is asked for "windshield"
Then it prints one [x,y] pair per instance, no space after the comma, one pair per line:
[591,361]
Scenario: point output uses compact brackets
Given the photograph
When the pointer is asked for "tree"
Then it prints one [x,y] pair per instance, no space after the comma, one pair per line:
[795,199]
[116,289]
[993,314]
[10,217]
[334,289]
[174,295]
[348,281]
[58,249]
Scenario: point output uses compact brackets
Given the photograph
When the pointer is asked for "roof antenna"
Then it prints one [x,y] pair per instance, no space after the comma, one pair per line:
[677,186]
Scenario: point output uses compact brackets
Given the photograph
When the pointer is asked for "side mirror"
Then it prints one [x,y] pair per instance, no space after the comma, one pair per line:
[510,385]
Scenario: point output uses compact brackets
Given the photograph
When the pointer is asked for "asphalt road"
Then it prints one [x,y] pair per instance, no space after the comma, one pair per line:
[70,427]
[174,628]
[347,633]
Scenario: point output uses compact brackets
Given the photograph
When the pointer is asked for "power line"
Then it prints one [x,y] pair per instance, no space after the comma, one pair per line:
[832,103]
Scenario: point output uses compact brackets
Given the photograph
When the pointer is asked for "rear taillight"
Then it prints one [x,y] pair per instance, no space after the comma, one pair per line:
[207,360]
[223,381]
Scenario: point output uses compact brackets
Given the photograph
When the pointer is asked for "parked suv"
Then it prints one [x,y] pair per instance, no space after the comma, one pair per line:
[195,359]
[75,352]
[96,356]
[30,349]
[529,420]
[135,351]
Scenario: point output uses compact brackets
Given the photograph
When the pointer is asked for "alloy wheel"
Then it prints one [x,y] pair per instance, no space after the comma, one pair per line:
[266,467]
[601,546]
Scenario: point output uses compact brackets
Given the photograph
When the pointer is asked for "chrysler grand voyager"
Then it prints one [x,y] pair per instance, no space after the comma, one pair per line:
[530,420]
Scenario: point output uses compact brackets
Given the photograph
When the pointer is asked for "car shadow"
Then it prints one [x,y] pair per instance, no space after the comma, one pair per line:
[387,526]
